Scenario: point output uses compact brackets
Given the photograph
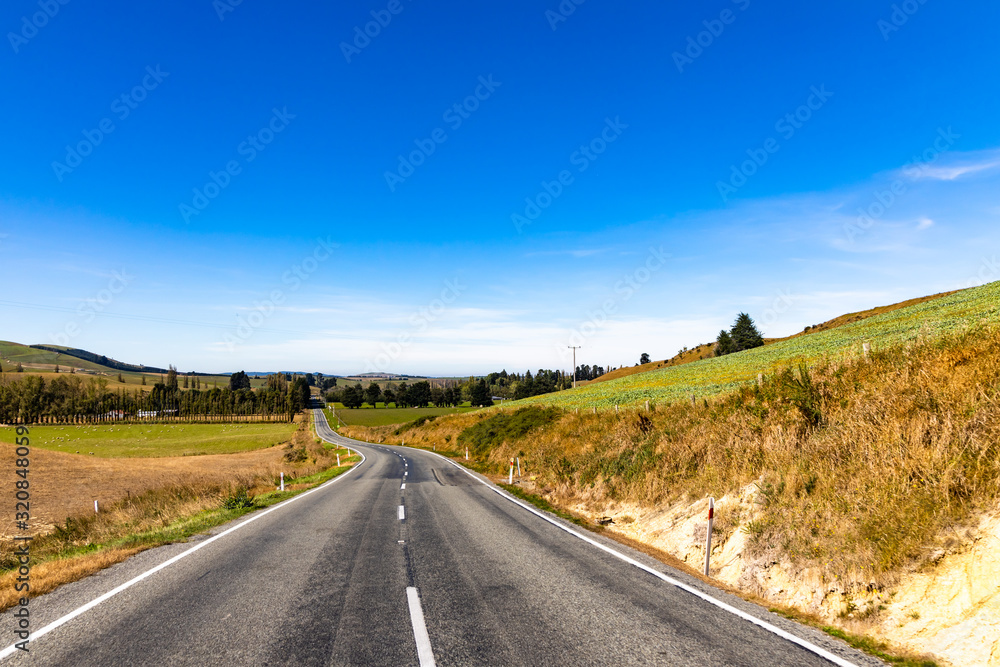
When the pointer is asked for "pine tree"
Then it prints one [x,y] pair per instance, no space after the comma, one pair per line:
[19,368]
[745,334]
[723,344]
[172,378]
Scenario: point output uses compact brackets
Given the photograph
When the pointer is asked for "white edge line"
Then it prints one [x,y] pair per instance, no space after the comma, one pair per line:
[823,653]
[10,650]
[424,652]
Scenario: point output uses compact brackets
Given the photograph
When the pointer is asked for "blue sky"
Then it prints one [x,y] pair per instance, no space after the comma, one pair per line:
[469,188]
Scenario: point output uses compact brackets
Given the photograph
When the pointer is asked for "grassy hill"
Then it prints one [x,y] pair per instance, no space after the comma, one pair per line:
[705,350]
[35,360]
[838,339]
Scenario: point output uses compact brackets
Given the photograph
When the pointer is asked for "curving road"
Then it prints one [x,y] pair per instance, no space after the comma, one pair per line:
[407,560]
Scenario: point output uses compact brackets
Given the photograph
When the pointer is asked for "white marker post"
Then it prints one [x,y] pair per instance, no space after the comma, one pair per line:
[338,459]
[282,481]
[708,536]
[510,478]
[519,467]
[466,453]
[95,508]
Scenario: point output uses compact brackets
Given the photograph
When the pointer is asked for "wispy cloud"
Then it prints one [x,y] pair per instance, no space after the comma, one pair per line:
[953,166]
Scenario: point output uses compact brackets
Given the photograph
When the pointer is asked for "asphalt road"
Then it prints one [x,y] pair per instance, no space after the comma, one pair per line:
[365,571]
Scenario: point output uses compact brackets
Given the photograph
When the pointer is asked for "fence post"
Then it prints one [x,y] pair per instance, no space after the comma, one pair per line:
[708,536]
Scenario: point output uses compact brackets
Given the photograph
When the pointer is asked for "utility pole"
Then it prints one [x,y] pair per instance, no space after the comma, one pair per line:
[574,348]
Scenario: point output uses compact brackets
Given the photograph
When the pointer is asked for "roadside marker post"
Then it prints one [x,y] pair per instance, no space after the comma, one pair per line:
[466,453]
[338,459]
[519,467]
[708,536]
[510,478]
[282,481]
[95,508]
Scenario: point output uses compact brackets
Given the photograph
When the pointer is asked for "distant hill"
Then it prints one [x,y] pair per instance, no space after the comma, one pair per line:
[100,359]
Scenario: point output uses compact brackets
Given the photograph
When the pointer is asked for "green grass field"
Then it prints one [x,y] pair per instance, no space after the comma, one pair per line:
[155,440]
[388,416]
[710,377]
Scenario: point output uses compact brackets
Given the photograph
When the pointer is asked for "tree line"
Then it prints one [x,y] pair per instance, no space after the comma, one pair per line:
[67,398]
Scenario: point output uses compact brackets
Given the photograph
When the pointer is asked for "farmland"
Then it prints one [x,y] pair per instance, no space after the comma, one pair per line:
[155,440]
[44,362]
[711,377]
[388,416]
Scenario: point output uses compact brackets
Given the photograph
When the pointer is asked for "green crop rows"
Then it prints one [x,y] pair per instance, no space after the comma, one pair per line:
[710,377]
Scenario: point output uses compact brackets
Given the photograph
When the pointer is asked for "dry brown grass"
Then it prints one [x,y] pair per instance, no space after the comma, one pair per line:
[859,467]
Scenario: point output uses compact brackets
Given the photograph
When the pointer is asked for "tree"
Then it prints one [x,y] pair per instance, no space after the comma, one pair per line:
[57,368]
[480,395]
[644,358]
[388,396]
[723,344]
[373,393]
[19,368]
[745,334]
[172,378]
[143,380]
[420,394]
[236,381]
[352,397]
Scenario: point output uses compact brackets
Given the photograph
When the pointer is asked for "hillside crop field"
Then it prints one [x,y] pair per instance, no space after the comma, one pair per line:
[155,440]
[711,377]
[388,416]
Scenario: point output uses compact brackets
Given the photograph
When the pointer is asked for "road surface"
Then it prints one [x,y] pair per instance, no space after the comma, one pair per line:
[407,560]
